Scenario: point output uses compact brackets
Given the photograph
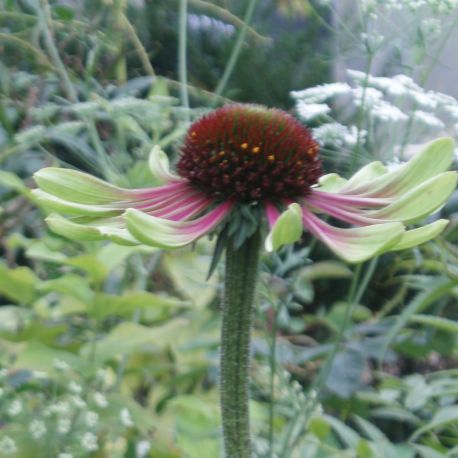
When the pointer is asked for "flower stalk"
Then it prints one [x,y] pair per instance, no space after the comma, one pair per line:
[242,265]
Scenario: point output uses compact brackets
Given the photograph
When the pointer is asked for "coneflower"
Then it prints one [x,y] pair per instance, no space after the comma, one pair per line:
[245,170]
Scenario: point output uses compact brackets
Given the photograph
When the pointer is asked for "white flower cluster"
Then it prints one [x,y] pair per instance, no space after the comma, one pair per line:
[37,429]
[7,446]
[436,6]
[394,105]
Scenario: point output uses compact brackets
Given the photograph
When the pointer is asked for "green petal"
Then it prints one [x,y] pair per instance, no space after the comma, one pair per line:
[287,229]
[154,231]
[332,182]
[55,204]
[421,235]
[159,166]
[90,232]
[435,158]
[362,243]
[78,187]
[421,201]
[366,174]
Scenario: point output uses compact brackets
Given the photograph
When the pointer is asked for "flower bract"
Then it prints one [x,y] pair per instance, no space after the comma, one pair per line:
[252,164]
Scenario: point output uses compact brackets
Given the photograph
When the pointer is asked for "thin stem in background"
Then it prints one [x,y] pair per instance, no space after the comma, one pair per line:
[354,296]
[220,88]
[273,370]
[182,61]
[45,20]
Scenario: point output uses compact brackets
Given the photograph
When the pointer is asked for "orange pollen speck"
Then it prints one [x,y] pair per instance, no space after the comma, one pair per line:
[193,134]
[244,145]
[271,158]
[299,163]
[312,151]
[221,153]
[256,149]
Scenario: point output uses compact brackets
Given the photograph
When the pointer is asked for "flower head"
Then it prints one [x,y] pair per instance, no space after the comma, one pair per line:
[244,161]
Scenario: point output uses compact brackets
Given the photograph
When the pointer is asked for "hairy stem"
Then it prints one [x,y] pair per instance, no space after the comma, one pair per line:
[240,284]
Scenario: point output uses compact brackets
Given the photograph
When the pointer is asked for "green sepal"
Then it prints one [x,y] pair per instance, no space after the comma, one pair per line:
[287,229]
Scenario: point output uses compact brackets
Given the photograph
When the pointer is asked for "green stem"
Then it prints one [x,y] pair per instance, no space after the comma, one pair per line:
[236,49]
[240,284]
[182,64]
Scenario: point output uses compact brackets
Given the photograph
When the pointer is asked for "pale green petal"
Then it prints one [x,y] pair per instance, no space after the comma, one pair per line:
[287,229]
[154,231]
[362,243]
[421,201]
[434,159]
[366,174]
[420,235]
[332,182]
[160,167]
[102,229]
[53,203]
[78,187]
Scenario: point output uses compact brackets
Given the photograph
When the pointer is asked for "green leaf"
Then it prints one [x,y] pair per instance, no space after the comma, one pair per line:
[18,284]
[420,235]
[128,337]
[437,322]
[443,418]
[436,289]
[188,273]
[71,285]
[427,452]
[325,270]
[287,229]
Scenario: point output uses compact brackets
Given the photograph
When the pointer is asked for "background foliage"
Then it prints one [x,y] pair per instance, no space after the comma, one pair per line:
[108,351]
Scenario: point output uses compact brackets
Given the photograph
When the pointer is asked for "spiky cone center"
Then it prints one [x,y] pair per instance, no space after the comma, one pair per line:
[250,153]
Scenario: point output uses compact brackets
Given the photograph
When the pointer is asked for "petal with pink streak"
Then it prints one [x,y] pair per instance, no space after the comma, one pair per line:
[355,244]
[164,233]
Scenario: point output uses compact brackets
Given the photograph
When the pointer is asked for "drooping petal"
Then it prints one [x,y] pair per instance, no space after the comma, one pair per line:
[52,203]
[73,186]
[164,233]
[287,229]
[434,159]
[79,187]
[272,214]
[102,229]
[160,167]
[421,201]
[420,235]
[355,244]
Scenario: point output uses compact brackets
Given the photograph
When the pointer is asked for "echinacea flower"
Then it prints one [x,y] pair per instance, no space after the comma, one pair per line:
[243,162]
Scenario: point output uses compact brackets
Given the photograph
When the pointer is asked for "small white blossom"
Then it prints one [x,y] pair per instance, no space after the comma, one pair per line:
[60,365]
[60,407]
[142,448]
[126,419]
[100,400]
[40,374]
[63,425]
[91,418]
[367,97]
[309,111]
[428,119]
[65,455]
[3,373]
[7,446]
[78,402]
[89,442]
[75,387]
[321,93]
[387,112]
[15,408]
[431,28]
[37,429]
